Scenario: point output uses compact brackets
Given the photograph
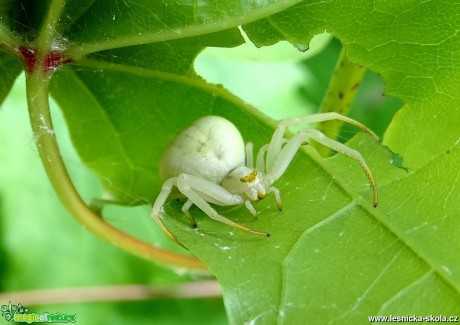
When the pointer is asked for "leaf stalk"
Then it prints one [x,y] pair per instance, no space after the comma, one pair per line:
[37,97]
[340,94]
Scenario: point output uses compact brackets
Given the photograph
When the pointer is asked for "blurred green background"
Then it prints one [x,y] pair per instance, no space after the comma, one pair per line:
[41,245]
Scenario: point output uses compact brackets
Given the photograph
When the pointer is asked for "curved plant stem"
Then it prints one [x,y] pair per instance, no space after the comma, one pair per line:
[198,289]
[48,30]
[340,94]
[37,98]
[186,80]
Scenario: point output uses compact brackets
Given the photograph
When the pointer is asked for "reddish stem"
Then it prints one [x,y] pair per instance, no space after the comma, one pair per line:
[51,61]
[29,56]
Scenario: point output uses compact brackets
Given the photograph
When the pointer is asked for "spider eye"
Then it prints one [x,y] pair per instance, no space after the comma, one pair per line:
[249,178]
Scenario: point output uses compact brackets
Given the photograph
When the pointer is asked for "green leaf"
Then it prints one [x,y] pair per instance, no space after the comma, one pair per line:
[107,25]
[332,257]
[11,68]
[23,17]
[399,43]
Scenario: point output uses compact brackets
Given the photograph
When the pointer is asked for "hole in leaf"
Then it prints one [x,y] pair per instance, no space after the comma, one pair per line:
[282,83]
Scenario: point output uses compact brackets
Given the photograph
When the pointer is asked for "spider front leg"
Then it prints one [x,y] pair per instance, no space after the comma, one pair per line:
[282,157]
[347,151]
[322,117]
[185,209]
[158,208]
[249,155]
[201,191]
[278,136]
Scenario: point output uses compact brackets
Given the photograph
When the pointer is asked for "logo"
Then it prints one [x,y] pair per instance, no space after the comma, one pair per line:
[9,311]
[18,313]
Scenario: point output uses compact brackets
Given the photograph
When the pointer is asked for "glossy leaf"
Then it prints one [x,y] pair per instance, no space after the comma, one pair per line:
[332,257]
[11,68]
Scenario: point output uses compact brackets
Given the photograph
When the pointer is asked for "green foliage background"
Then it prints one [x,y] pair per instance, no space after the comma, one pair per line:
[332,257]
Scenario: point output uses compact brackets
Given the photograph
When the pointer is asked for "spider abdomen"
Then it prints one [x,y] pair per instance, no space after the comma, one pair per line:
[209,148]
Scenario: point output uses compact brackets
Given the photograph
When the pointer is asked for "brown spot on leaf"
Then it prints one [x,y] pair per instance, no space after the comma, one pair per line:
[355,86]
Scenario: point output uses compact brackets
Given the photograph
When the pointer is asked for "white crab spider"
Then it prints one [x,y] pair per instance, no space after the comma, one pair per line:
[209,163]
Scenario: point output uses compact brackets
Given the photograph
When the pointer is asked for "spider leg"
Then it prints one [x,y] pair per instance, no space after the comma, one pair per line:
[249,155]
[284,158]
[277,197]
[251,209]
[288,152]
[260,163]
[199,191]
[274,147]
[322,117]
[271,155]
[185,208]
[278,139]
[157,208]
[347,151]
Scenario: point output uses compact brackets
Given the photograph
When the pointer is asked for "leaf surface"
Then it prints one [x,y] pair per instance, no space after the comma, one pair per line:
[11,68]
[332,257]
